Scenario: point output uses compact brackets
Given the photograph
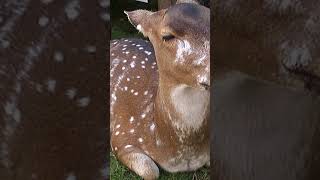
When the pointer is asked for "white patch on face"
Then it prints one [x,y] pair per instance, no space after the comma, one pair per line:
[140,140]
[117,133]
[183,49]
[72,9]
[127,146]
[192,106]
[131,131]
[117,126]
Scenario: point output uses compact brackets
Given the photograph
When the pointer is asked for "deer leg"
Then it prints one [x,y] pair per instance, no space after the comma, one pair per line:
[140,163]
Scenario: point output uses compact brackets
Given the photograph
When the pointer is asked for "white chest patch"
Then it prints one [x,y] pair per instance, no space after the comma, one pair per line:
[192,106]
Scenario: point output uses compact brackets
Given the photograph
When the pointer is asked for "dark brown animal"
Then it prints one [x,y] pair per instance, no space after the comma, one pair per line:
[272,40]
[52,90]
[263,131]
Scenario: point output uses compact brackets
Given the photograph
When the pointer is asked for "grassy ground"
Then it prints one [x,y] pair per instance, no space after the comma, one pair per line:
[122,28]
[118,171]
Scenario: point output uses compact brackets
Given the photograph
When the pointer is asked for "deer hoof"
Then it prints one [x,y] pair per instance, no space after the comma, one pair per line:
[142,165]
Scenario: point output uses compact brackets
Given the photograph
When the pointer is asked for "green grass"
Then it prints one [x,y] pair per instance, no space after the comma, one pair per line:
[118,171]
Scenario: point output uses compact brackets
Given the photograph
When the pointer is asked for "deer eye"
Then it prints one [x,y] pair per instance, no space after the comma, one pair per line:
[167,37]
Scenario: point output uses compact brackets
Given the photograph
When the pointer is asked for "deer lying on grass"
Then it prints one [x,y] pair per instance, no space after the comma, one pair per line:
[160,98]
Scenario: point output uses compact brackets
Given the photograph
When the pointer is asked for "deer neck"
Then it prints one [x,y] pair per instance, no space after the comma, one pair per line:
[183,108]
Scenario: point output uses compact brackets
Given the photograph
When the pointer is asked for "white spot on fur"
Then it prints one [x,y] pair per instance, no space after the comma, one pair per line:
[51,85]
[152,127]
[117,133]
[140,140]
[139,27]
[43,21]
[143,115]
[127,146]
[91,49]
[132,64]
[72,9]
[83,102]
[131,131]
[71,176]
[58,56]
[131,119]
[148,53]
[295,55]
[71,93]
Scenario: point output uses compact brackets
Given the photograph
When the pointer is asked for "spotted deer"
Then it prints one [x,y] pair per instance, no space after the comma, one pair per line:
[160,91]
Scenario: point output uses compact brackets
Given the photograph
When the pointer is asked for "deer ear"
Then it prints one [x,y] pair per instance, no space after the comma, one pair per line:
[138,19]
[187,1]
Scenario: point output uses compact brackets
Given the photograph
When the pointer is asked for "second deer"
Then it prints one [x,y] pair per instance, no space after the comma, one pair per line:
[160,99]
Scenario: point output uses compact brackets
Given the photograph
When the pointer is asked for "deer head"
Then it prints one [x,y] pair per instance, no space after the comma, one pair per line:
[180,36]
